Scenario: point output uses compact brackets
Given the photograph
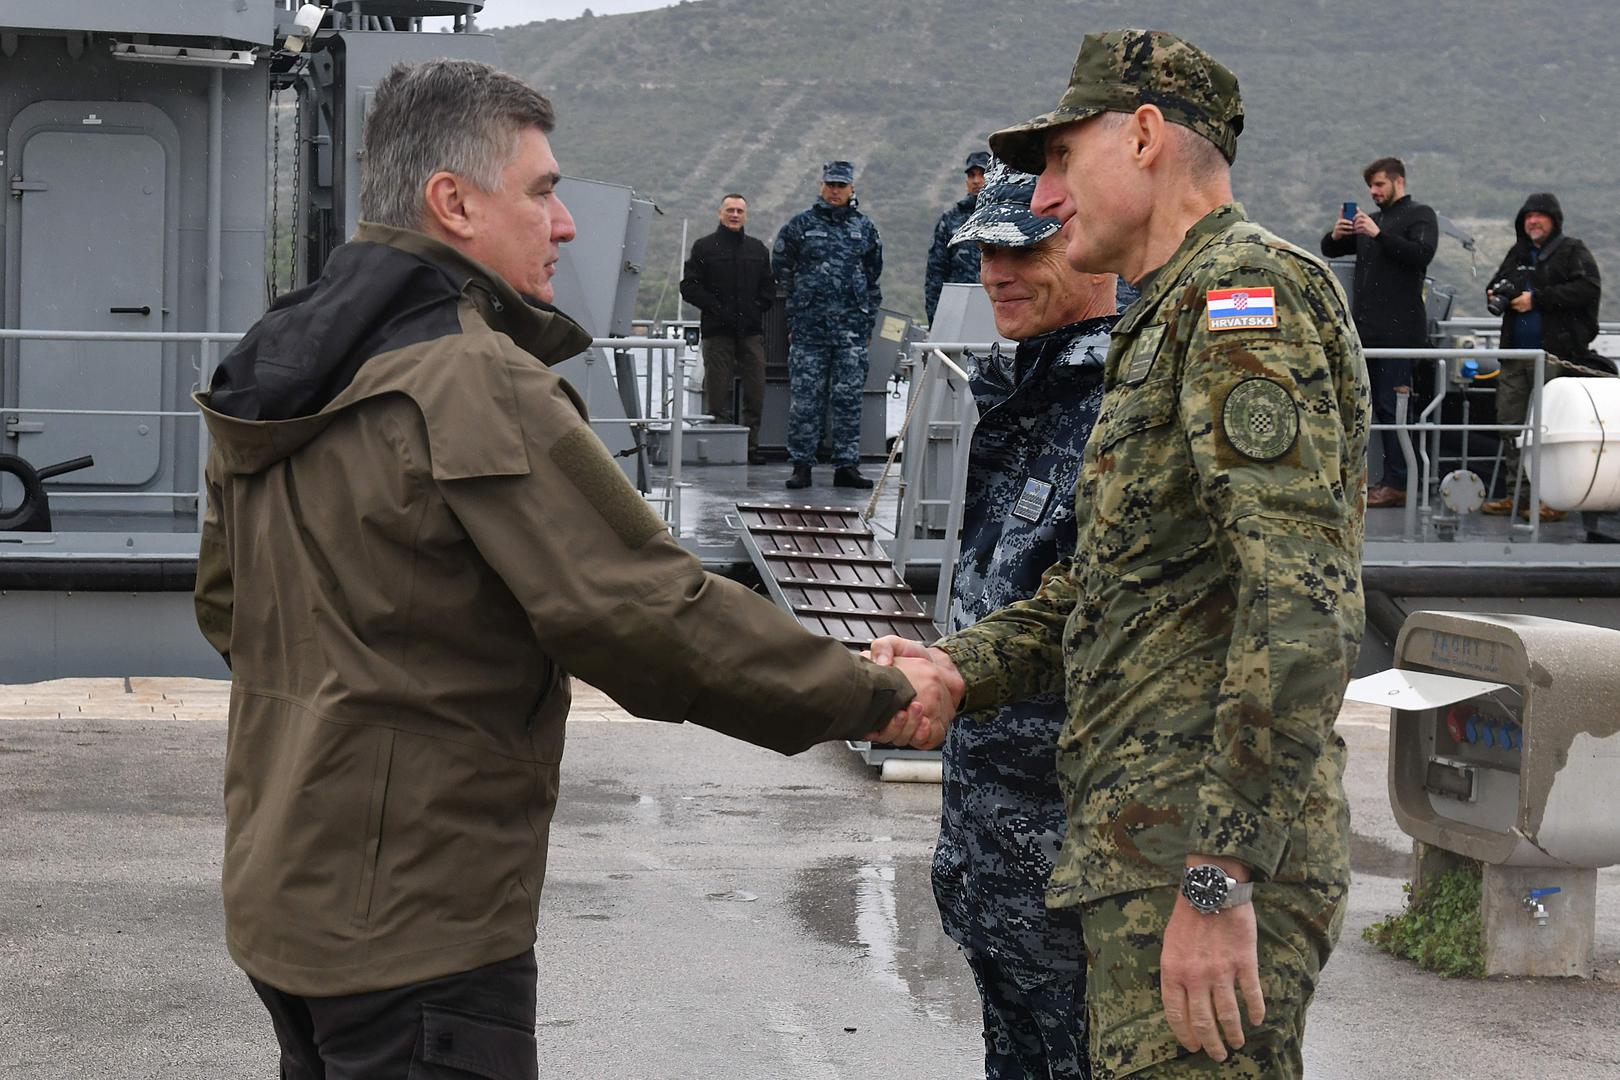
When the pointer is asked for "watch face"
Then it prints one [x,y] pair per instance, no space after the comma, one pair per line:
[1205,887]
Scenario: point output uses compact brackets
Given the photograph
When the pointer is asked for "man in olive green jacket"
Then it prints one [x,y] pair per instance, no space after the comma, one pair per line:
[413,539]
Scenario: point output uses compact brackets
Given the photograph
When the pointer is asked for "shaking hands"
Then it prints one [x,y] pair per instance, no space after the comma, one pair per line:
[939,687]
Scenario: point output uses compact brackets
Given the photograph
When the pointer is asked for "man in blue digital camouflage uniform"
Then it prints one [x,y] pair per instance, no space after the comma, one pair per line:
[827,259]
[1003,820]
[952,260]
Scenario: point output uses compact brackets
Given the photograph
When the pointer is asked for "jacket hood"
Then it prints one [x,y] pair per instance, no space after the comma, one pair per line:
[385,290]
[1542,202]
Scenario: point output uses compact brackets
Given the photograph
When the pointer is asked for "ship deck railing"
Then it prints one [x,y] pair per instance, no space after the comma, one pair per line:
[662,372]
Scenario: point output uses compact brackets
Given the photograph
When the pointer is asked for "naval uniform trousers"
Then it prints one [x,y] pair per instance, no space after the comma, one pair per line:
[825,382]
[474,1023]
[728,359]
[1034,1019]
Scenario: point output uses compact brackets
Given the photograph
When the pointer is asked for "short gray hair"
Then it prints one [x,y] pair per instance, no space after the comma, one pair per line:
[456,116]
[1202,159]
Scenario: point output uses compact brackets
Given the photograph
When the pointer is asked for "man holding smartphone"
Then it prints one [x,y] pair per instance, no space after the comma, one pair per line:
[1393,247]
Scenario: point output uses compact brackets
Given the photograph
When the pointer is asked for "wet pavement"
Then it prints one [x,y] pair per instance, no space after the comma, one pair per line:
[711,910]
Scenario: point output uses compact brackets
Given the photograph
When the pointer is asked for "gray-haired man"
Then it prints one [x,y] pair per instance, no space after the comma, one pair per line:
[413,538]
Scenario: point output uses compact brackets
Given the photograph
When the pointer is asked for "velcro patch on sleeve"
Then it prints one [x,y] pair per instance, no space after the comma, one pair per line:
[585,461]
[1260,419]
[1241,309]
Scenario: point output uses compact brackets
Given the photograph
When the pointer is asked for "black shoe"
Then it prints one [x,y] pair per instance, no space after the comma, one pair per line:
[800,477]
[755,457]
[848,476]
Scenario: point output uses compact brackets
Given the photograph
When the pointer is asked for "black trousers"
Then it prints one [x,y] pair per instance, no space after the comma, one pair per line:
[476,1023]
[725,359]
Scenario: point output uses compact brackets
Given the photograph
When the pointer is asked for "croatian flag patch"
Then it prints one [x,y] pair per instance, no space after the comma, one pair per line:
[1235,309]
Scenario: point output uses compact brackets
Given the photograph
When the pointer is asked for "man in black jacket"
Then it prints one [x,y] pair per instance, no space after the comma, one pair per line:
[728,279]
[1393,247]
[1551,303]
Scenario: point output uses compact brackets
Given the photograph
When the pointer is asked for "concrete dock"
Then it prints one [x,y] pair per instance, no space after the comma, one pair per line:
[712,910]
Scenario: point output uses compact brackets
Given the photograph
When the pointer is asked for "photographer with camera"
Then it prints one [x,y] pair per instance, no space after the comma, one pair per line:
[1393,247]
[1547,291]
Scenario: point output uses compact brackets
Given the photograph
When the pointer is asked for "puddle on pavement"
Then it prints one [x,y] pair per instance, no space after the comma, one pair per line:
[1370,856]
[883,909]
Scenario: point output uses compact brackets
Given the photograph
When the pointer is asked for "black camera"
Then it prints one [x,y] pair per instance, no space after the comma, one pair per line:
[1500,294]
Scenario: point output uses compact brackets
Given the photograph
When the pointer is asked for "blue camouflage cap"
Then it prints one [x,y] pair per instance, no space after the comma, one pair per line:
[979,159]
[1002,217]
[838,172]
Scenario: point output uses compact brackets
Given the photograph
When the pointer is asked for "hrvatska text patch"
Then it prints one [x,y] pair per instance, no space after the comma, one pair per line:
[1237,309]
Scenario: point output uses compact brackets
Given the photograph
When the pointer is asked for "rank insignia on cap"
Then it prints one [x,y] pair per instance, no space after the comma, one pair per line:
[1260,419]
[1236,309]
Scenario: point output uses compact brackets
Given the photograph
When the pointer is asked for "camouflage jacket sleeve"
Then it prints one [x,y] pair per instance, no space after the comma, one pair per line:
[214,596]
[785,260]
[939,256]
[1016,652]
[872,262]
[1276,424]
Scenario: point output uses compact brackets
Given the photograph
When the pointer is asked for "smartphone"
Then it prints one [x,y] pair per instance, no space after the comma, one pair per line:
[1349,211]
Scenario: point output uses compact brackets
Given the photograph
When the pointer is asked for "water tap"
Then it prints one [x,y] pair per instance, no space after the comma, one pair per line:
[1533,903]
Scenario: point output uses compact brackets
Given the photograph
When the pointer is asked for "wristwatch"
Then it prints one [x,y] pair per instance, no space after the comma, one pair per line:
[1209,889]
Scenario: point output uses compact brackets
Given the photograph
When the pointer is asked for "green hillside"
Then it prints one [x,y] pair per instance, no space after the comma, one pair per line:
[1482,101]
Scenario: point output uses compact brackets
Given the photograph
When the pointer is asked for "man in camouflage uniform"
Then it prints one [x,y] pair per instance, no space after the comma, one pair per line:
[951,260]
[1205,628]
[827,259]
[1002,817]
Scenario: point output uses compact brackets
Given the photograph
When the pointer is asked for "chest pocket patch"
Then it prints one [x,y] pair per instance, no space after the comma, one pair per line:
[1032,500]
[1143,352]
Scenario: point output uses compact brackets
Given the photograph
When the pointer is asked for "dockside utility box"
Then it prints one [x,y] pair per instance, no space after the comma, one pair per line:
[1505,748]
[1524,775]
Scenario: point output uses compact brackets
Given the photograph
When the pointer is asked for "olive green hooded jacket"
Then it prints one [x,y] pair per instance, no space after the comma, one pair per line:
[413,539]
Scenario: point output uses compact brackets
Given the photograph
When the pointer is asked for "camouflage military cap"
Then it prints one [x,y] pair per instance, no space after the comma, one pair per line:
[1002,216]
[838,172]
[979,159]
[1123,70]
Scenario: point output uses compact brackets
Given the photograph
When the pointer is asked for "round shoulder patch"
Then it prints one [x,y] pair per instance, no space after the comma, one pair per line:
[1260,419]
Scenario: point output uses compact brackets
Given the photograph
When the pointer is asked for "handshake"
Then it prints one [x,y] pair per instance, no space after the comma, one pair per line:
[939,686]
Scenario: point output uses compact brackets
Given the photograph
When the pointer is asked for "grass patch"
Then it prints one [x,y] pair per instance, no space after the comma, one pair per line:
[1441,929]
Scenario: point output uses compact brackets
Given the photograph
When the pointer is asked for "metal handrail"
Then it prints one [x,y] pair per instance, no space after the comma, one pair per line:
[1419,480]
[926,390]
[210,342]
[1494,322]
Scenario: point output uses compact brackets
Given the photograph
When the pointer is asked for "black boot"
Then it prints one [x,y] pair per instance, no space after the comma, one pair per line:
[849,476]
[800,477]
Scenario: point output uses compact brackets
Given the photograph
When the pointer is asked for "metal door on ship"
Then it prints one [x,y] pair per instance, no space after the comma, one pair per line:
[91,236]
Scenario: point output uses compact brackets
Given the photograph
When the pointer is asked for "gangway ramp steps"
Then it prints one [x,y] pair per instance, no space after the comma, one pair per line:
[824,566]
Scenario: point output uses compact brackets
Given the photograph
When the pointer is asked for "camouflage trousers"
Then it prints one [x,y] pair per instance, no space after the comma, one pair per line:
[1298,924]
[1034,1020]
[825,380]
